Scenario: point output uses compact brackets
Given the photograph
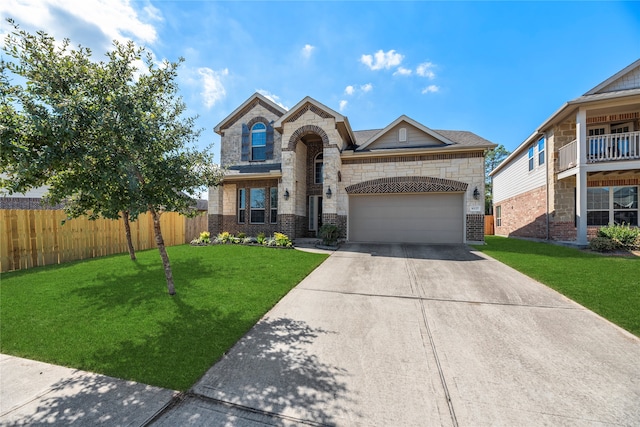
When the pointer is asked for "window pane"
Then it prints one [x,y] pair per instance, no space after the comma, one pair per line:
[258,139]
[626,217]
[257,198]
[598,198]
[274,198]
[258,153]
[625,197]
[241,198]
[319,172]
[241,215]
[598,218]
[257,216]
[274,216]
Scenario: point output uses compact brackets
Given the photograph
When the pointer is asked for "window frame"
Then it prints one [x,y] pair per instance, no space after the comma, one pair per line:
[402,135]
[318,161]
[531,156]
[610,208]
[253,147]
[242,206]
[498,215]
[257,209]
[273,207]
[541,152]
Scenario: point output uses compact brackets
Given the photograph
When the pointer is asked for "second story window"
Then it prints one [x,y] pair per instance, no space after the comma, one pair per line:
[541,151]
[531,158]
[258,142]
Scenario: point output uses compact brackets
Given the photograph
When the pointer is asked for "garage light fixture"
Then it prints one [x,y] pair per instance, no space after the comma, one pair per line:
[476,193]
[286,194]
[329,192]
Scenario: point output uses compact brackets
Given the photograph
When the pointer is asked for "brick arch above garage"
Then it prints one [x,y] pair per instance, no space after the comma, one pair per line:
[407,184]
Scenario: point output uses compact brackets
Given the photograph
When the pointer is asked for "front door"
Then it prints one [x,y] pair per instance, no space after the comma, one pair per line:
[315,213]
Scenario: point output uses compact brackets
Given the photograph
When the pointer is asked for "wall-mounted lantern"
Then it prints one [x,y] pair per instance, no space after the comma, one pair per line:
[286,194]
[329,192]
[476,193]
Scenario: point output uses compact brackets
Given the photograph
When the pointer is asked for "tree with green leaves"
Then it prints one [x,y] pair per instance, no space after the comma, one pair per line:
[493,158]
[108,139]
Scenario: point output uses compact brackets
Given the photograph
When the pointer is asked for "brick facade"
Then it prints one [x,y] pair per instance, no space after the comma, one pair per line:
[31,203]
[475,227]
[523,215]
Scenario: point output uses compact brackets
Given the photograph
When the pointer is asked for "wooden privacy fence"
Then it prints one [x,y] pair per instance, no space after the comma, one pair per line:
[488,225]
[30,238]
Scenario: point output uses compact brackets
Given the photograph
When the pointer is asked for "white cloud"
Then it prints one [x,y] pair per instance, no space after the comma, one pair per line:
[430,89]
[213,89]
[271,97]
[381,59]
[401,71]
[343,104]
[92,23]
[349,90]
[366,87]
[425,70]
[307,50]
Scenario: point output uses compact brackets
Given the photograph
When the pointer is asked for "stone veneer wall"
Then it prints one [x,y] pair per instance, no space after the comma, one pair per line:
[339,220]
[524,215]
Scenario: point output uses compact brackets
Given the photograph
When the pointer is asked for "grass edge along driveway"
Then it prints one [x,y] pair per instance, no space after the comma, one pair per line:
[113,316]
[607,285]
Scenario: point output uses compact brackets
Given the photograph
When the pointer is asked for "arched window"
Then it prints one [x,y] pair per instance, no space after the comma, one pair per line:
[319,169]
[259,142]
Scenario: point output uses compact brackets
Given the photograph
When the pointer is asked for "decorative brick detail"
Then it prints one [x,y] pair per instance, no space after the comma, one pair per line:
[29,203]
[308,107]
[416,158]
[305,130]
[248,108]
[475,227]
[293,225]
[407,184]
[230,224]
[257,119]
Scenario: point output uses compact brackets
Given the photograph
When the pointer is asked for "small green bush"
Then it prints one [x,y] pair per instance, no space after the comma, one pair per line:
[224,237]
[329,233]
[603,244]
[624,236]
[282,240]
[241,235]
[261,239]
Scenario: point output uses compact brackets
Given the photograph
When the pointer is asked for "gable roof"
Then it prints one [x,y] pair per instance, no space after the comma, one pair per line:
[601,92]
[308,103]
[602,87]
[410,121]
[244,108]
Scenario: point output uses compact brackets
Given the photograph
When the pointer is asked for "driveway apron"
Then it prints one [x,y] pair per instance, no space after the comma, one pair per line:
[412,335]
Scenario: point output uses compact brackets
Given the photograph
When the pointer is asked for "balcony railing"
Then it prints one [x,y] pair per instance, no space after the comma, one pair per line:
[602,148]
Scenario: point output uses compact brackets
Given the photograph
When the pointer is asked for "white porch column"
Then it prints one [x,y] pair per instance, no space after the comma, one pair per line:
[581,177]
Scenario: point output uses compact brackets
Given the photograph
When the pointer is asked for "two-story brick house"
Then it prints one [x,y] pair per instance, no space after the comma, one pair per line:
[579,170]
[292,171]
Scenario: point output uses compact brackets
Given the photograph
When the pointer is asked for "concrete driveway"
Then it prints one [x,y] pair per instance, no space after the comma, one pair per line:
[393,335]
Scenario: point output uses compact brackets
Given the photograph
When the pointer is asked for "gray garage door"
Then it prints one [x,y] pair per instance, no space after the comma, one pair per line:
[410,218]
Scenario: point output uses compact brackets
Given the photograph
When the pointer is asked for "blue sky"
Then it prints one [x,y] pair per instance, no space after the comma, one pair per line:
[497,69]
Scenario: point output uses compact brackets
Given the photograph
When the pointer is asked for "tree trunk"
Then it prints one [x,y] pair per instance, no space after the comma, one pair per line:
[163,251]
[127,231]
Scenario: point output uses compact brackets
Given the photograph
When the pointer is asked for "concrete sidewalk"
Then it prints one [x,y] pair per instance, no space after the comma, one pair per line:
[39,394]
[378,335]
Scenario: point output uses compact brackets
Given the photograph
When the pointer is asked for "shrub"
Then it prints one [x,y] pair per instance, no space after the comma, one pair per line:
[623,235]
[329,234]
[241,235]
[603,244]
[261,239]
[224,237]
[205,237]
[282,240]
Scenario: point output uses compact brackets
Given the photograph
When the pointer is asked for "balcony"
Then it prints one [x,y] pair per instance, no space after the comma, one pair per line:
[602,148]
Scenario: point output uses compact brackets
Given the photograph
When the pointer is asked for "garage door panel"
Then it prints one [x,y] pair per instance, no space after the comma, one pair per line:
[412,218]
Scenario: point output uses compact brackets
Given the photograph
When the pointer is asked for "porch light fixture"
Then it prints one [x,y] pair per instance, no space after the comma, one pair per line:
[286,194]
[329,192]
[476,193]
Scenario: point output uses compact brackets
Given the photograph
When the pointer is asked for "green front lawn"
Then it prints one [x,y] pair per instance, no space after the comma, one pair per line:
[114,316]
[607,285]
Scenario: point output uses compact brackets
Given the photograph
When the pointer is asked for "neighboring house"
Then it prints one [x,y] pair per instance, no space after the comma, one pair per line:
[30,200]
[579,170]
[292,171]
